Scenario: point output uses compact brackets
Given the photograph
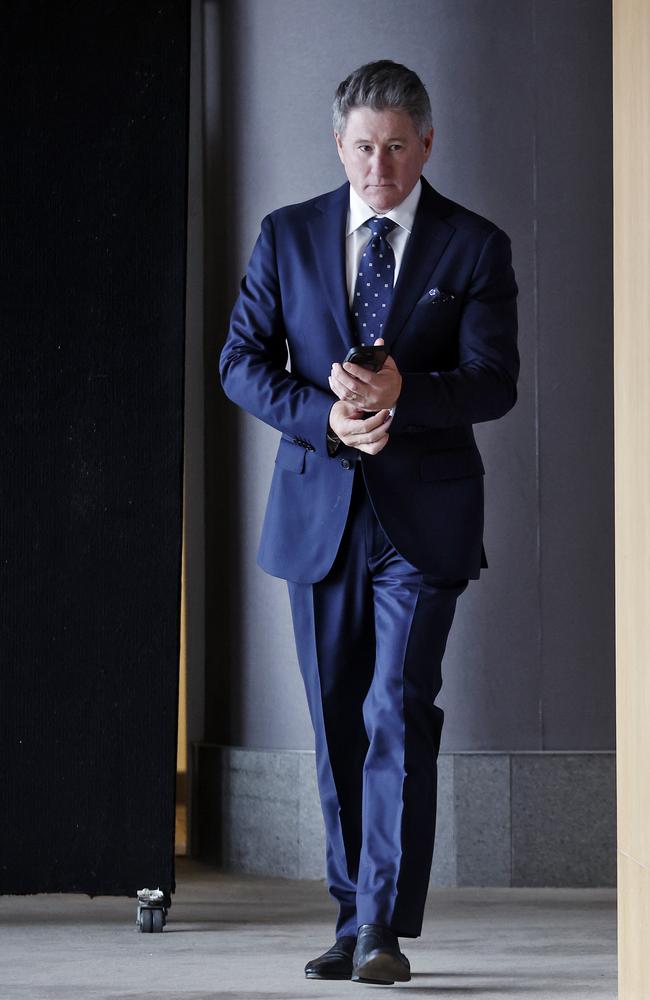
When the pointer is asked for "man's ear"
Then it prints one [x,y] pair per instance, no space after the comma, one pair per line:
[339,145]
[427,142]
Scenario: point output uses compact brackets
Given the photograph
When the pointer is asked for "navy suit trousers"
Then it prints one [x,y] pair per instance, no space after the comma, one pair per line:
[370,638]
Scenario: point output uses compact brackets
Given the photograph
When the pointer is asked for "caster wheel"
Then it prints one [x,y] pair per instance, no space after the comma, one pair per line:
[152,910]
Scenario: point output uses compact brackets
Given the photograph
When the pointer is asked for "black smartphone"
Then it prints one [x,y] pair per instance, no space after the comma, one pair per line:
[367,357]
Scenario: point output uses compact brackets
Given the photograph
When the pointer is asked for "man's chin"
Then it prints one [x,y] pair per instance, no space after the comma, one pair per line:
[382,198]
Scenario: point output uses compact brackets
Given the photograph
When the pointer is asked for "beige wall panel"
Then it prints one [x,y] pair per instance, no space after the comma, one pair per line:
[632,402]
[634,929]
[632,421]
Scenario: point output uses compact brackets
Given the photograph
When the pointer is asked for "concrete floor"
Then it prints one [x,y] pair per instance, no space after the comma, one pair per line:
[248,938]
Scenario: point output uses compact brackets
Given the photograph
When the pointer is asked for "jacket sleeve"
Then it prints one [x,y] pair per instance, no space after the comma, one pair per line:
[483,385]
[254,358]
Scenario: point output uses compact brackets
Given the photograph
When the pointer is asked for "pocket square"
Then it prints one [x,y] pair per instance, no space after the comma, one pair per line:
[437,296]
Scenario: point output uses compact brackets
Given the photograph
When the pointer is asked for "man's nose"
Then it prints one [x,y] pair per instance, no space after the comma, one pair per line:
[380,163]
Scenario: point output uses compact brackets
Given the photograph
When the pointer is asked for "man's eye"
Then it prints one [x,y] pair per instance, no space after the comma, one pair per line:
[396,145]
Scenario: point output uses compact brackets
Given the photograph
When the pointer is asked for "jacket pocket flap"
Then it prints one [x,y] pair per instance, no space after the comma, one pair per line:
[454,463]
[290,456]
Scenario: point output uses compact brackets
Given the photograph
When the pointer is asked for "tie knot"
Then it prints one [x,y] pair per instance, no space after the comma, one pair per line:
[380,227]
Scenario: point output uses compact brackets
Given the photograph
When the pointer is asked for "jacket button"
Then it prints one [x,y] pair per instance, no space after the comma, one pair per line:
[345,463]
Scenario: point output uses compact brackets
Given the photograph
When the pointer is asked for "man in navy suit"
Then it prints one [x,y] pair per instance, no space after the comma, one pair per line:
[375,512]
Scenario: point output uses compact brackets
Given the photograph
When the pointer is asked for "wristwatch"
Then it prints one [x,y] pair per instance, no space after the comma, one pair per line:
[333,442]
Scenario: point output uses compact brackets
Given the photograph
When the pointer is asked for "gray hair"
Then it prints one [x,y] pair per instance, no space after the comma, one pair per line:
[382,86]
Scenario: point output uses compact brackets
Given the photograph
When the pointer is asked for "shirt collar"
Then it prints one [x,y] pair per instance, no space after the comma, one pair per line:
[403,214]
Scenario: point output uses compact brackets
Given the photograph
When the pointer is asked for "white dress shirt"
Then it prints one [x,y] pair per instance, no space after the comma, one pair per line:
[357,232]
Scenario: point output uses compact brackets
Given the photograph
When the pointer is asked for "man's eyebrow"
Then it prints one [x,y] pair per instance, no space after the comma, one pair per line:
[394,138]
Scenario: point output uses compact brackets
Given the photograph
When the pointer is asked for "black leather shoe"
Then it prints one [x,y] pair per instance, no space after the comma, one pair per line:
[377,958]
[335,963]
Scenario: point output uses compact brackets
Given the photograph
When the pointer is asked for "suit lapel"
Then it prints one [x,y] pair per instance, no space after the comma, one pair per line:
[424,249]
[426,244]
[327,231]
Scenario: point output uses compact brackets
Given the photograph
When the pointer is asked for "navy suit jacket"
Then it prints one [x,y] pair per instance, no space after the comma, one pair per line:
[456,350]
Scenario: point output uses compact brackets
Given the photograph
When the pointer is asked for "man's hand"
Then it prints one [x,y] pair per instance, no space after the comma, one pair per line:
[369,391]
[371,435]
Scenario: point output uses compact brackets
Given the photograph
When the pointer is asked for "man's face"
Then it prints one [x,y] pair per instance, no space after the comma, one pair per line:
[383,155]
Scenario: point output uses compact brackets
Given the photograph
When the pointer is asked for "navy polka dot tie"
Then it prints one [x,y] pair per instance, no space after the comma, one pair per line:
[373,291]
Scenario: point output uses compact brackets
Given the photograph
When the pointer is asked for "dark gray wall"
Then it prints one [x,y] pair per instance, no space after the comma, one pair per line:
[521,94]
[193,465]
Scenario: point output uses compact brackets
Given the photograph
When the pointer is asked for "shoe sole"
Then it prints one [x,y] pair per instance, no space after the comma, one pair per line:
[317,975]
[381,968]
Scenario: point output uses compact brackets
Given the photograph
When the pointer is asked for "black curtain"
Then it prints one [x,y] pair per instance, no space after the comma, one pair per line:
[93,177]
